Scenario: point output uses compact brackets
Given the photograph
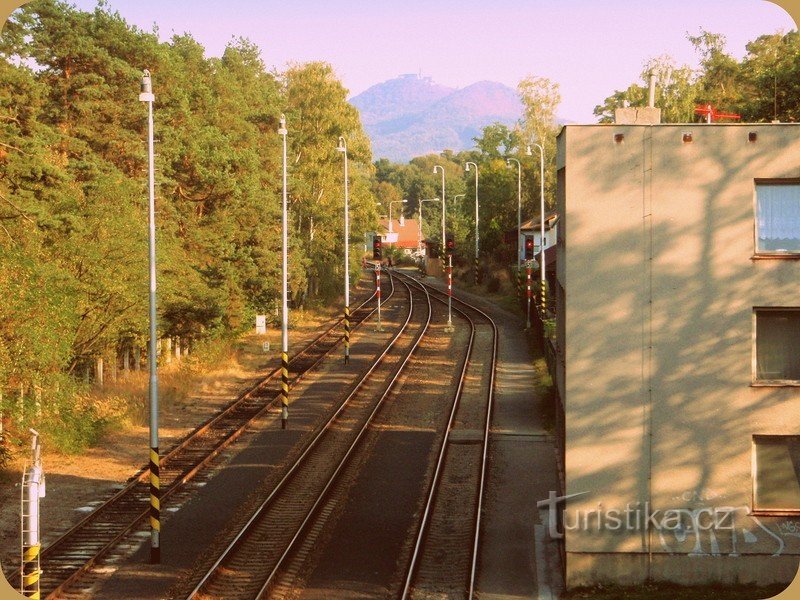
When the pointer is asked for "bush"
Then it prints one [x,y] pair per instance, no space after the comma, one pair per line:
[72,426]
[494,285]
[5,455]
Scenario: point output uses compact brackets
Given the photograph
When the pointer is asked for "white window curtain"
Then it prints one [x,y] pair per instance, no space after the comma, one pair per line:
[778,217]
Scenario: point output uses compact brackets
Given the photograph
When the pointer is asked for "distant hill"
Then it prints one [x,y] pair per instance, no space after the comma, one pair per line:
[410,115]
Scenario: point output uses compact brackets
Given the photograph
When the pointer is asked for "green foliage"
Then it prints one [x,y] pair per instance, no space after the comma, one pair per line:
[761,87]
[73,192]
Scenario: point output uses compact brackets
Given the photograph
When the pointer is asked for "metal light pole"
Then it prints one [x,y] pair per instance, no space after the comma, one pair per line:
[449,327]
[541,237]
[420,217]
[519,209]
[390,211]
[419,234]
[342,147]
[519,222]
[477,242]
[443,205]
[282,131]
[146,95]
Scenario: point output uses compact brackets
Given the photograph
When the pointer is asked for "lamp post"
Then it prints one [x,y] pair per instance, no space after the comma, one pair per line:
[541,236]
[147,96]
[282,131]
[477,242]
[390,211]
[519,223]
[419,233]
[449,327]
[342,147]
[519,209]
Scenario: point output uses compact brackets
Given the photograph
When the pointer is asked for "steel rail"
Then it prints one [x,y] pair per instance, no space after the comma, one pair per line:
[484,455]
[142,476]
[246,529]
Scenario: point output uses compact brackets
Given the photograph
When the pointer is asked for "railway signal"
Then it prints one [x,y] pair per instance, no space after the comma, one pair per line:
[528,249]
[377,250]
[450,246]
[33,488]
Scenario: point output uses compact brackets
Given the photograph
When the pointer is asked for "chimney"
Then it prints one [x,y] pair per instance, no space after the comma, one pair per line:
[651,101]
[642,115]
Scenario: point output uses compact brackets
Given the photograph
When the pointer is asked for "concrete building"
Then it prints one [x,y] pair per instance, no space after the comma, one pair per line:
[678,345]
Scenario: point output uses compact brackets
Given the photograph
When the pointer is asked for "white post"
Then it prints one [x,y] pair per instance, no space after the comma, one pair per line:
[147,96]
[444,209]
[284,291]
[378,293]
[33,488]
[449,327]
[342,147]
[477,243]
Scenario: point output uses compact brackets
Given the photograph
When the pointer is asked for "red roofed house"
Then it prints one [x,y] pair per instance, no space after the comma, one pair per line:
[402,234]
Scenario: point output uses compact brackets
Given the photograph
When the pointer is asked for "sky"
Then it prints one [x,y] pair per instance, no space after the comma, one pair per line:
[589,47]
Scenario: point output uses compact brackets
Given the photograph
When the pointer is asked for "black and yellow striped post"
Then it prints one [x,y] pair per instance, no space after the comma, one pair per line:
[32,491]
[346,335]
[30,571]
[477,270]
[155,507]
[284,389]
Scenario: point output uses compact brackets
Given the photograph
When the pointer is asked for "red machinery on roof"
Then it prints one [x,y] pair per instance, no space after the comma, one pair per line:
[712,114]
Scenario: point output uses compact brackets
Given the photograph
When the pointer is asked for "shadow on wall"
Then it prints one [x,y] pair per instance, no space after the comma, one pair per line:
[660,348]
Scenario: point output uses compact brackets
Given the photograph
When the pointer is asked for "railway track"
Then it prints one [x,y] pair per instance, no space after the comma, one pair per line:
[444,560]
[248,566]
[68,558]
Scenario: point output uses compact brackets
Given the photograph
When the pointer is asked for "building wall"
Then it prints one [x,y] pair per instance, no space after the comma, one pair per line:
[655,328]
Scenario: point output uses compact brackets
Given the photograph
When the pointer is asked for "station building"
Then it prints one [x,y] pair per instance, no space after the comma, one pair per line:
[678,352]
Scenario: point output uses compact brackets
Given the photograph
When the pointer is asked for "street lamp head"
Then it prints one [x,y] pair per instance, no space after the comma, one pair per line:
[147,86]
[282,130]
[342,147]
[466,167]
[146,89]
[405,201]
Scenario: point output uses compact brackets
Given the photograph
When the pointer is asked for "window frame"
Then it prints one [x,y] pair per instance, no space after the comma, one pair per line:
[771,254]
[754,380]
[755,510]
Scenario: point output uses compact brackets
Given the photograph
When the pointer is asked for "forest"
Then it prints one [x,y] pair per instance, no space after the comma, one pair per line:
[73,186]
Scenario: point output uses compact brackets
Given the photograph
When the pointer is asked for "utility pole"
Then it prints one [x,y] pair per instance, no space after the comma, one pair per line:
[282,131]
[146,95]
[342,147]
[477,236]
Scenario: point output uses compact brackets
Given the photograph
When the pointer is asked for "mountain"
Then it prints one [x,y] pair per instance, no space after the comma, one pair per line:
[410,115]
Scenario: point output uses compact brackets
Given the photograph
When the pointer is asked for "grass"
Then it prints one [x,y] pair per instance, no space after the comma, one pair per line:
[672,591]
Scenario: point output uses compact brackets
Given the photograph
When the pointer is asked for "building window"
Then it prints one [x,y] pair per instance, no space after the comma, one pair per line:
[776,473]
[777,345]
[778,216]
